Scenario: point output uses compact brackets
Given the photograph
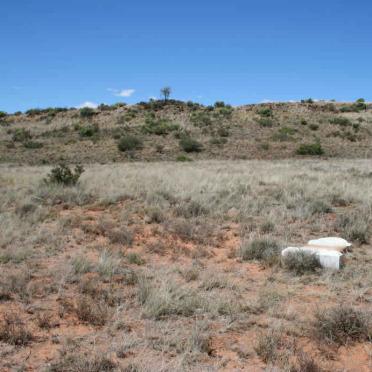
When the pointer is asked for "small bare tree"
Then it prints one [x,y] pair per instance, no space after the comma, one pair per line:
[166,92]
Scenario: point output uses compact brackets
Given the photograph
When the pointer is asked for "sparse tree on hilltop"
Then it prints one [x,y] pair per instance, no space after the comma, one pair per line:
[166,92]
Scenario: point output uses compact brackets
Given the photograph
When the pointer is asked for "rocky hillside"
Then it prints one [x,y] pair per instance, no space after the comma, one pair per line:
[175,130]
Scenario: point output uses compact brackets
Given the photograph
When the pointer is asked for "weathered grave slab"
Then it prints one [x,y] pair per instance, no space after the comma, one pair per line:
[328,250]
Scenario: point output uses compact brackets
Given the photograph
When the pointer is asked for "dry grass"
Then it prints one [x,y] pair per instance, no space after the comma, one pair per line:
[174,266]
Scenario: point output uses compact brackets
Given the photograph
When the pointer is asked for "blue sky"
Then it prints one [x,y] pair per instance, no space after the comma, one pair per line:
[65,53]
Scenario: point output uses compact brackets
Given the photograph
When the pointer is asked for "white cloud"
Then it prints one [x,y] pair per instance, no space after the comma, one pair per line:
[122,93]
[88,104]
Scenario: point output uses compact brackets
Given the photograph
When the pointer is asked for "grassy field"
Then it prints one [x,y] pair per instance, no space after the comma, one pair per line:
[169,266]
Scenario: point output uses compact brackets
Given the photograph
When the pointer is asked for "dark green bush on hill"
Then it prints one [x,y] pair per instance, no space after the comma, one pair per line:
[310,149]
[89,130]
[33,112]
[32,145]
[3,115]
[63,175]
[87,112]
[129,143]
[201,119]
[265,122]
[343,122]
[265,112]
[189,144]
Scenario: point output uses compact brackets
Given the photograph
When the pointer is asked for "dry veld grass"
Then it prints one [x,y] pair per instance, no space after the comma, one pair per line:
[175,267]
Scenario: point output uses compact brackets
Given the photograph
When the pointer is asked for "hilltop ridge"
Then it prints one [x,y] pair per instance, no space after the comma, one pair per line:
[174,130]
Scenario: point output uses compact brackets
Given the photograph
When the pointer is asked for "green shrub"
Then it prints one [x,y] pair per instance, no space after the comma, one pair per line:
[183,158]
[3,115]
[87,112]
[21,135]
[159,126]
[314,126]
[360,104]
[224,112]
[201,119]
[89,130]
[219,104]
[319,207]
[301,262]
[342,324]
[129,143]
[135,259]
[284,134]
[63,175]
[189,144]
[218,141]
[310,149]
[33,112]
[265,112]
[265,122]
[344,122]
[354,227]
[265,250]
[32,144]
[308,100]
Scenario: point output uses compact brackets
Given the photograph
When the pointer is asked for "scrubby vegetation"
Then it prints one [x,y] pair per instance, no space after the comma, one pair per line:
[63,175]
[129,143]
[166,126]
[176,266]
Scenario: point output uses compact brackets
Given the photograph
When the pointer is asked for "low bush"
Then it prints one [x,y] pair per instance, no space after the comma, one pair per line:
[314,127]
[189,209]
[265,122]
[129,143]
[21,135]
[168,299]
[183,158]
[74,362]
[284,134]
[341,121]
[354,227]
[342,324]
[159,126]
[265,112]
[32,145]
[301,263]
[265,250]
[89,130]
[13,331]
[313,149]
[91,311]
[201,119]
[63,175]
[135,259]
[189,144]
[87,112]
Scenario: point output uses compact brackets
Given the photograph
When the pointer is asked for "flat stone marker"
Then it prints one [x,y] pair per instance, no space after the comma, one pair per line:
[328,250]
